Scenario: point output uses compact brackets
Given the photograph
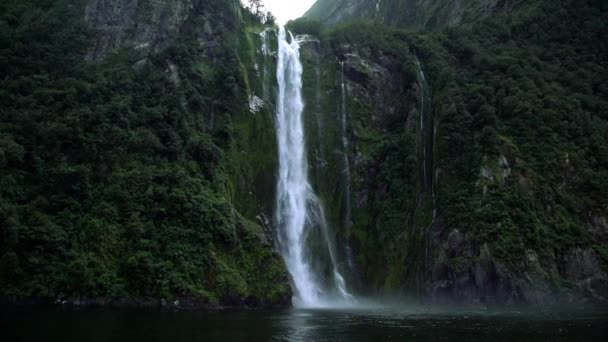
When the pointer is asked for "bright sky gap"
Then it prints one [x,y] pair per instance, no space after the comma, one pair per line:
[286,10]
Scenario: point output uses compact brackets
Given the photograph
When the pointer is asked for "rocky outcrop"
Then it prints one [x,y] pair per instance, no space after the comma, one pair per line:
[597,226]
[408,13]
[582,268]
[334,11]
[463,272]
[377,98]
[181,71]
[148,26]
[520,248]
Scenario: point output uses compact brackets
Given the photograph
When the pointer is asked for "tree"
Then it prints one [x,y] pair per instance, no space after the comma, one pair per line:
[270,19]
[256,7]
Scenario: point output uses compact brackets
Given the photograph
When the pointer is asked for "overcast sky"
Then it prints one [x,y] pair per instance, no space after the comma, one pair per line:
[285,10]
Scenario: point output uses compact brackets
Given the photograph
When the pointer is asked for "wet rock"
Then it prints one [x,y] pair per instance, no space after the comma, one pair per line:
[582,264]
[255,104]
[483,267]
[503,286]
[207,28]
[455,243]
[440,272]
[442,291]
[485,177]
[173,71]
[505,169]
[582,267]
[597,227]
[466,290]
[232,299]
[140,65]
[524,184]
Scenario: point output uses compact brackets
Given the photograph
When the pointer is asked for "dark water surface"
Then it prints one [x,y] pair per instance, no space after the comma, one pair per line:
[30,324]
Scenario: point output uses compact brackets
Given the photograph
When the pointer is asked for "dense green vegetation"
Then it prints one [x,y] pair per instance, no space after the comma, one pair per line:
[530,88]
[518,113]
[151,177]
[119,181]
[383,149]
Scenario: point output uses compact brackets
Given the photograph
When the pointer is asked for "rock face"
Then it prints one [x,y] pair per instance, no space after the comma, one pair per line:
[334,11]
[215,29]
[147,26]
[582,267]
[467,214]
[376,100]
[598,226]
[181,72]
[465,273]
[522,246]
[411,13]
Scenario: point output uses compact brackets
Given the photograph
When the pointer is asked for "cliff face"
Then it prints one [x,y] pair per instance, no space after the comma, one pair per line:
[428,14]
[147,26]
[138,152]
[457,192]
[361,127]
[149,182]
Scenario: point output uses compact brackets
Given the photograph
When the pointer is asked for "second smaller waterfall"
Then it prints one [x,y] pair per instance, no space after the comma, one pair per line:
[347,220]
[422,133]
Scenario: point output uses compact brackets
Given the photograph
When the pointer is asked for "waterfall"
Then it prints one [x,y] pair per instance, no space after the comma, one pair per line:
[346,171]
[422,139]
[424,97]
[424,145]
[298,209]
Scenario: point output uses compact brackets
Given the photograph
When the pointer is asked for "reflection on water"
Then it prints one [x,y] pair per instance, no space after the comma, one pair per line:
[369,324]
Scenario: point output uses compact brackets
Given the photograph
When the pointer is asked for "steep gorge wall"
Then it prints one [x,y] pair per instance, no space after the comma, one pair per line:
[498,219]
[164,185]
[421,14]
[148,171]
[370,202]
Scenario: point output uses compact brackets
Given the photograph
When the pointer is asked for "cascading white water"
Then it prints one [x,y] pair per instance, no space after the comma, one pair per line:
[424,98]
[295,196]
[422,82]
[346,171]
[424,89]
